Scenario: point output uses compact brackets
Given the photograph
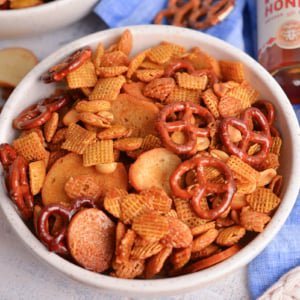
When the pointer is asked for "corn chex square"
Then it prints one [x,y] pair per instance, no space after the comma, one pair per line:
[98,54]
[30,147]
[114,58]
[126,42]
[242,93]
[107,88]
[84,76]
[263,200]
[37,174]
[202,60]
[188,81]
[160,54]
[211,101]
[186,213]
[111,71]
[242,170]
[77,138]
[177,50]
[99,152]
[232,70]
[276,145]
[180,94]
[146,75]
[135,62]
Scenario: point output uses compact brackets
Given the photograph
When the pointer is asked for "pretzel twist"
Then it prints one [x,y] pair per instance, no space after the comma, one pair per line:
[262,137]
[267,107]
[203,187]
[56,243]
[69,64]
[180,64]
[39,113]
[18,186]
[197,14]
[189,111]
[7,155]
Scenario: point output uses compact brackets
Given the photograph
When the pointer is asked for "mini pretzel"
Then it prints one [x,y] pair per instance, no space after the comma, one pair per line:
[249,136]
[191,130]
[7,155]
[180,64]
[70,63]
[32,117]
[80,203]
[210,13]
[203,186]
[54,103]
[177,12]
[19,188]
[195,13]
[39,113]
[268,107]
[54,243]
[57,243]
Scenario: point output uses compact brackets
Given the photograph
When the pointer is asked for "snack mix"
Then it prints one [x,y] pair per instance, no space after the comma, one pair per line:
[150,165]
[17,4]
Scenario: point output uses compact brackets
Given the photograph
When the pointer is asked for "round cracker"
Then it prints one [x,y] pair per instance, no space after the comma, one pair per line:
[153,168]
[71,165]
[91,239]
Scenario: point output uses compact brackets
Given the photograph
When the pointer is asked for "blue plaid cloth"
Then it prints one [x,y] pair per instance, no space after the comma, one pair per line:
[238,29]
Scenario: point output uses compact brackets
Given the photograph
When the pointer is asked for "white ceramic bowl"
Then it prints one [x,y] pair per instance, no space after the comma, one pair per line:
[15,23]
[32,89]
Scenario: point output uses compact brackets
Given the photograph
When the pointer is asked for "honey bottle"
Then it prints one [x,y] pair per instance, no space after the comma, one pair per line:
[278,28]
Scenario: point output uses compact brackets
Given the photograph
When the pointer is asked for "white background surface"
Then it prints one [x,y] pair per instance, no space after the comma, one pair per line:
[22,276]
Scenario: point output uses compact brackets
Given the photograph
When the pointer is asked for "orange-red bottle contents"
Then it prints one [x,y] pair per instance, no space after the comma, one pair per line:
[279,43]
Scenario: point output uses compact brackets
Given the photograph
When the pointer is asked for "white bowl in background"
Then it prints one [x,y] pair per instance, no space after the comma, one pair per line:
[32,89]
[16,23]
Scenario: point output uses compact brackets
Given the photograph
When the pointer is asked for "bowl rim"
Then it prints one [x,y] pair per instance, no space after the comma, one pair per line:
[165,286]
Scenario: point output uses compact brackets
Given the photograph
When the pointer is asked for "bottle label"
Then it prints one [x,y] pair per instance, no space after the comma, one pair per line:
[280,20]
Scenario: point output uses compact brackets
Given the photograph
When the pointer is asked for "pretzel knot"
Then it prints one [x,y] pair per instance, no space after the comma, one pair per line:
[18,186]
[56,243]
[251,117]
[69,64]
[203,187]
[210,13]
[180,64]
[268,109]
[190,120]
[7,155]
[39,113]
[197,14]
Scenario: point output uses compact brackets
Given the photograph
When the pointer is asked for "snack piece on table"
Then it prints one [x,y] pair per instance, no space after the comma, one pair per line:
[15,63]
